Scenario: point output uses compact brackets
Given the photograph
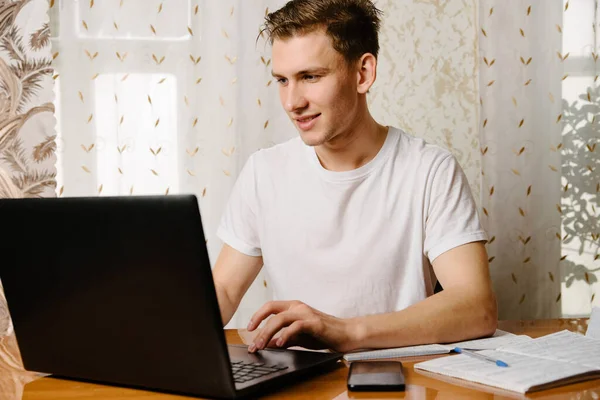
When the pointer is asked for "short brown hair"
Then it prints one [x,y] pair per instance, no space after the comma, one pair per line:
[352,25]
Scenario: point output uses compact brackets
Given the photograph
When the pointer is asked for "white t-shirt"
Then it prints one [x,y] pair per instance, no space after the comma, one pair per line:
[355,242]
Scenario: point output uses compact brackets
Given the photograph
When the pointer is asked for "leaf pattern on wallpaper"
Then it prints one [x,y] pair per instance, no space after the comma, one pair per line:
[12,93]
[45,149]
[8,13]
[15,156]
[21,76]
[35,182]
[40,38]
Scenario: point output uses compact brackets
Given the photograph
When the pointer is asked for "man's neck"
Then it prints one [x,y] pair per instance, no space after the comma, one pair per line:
[353,149]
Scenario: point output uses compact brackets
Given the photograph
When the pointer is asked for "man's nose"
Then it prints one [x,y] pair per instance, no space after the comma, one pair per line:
[294,99]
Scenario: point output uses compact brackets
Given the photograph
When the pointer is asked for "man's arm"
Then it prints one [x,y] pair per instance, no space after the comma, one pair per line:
[233,274]
[465,309]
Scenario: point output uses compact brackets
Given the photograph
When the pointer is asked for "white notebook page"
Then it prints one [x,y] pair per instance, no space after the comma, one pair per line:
[499,339]
[522,373]
[565,346]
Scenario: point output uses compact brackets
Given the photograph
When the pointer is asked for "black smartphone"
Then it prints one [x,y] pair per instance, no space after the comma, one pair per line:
[376,376]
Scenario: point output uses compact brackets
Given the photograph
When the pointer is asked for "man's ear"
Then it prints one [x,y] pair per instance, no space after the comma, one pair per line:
[367,73]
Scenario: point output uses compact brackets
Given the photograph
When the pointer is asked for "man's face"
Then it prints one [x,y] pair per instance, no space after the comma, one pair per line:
[316,87]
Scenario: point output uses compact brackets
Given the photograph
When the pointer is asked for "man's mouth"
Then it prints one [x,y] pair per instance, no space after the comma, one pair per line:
[307,119]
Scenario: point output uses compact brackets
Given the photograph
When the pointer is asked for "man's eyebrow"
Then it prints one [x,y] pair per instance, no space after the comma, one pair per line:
[308,71]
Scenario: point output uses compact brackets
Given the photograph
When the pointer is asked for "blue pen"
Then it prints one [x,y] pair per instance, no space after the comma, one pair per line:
[480,356]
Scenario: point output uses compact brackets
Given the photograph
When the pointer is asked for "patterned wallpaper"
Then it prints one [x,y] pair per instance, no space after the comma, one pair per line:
[427,78]
[26,111]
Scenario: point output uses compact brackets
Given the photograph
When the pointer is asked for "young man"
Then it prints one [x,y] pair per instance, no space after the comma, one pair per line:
[350,218]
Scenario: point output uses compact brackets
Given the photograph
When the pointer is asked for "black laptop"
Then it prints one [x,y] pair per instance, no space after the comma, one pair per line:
[119,290]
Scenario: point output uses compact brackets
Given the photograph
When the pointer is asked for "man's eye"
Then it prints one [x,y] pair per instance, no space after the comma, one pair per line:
[310,77]
[282,81]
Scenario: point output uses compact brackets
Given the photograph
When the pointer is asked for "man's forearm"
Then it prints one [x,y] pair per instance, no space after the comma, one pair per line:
[225,304]
[449,316]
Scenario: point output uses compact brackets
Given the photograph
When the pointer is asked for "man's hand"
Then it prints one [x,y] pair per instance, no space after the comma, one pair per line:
[300,325]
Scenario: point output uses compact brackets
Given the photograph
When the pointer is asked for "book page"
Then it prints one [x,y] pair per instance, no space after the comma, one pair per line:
[522,374]
[499,339]
[593,330]
[564,346]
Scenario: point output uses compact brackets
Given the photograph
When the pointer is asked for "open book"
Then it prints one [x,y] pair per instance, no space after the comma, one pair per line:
[553,360]
[499,339]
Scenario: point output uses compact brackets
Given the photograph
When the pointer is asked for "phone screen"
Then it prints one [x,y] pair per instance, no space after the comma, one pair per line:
[376,376]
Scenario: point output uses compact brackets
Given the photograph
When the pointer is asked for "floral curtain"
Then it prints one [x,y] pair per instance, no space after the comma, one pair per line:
[26,110]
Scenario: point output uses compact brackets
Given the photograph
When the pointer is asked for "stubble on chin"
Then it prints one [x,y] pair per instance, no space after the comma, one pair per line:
[313,140]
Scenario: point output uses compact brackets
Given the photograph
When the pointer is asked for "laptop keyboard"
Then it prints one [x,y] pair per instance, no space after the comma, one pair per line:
[246,371]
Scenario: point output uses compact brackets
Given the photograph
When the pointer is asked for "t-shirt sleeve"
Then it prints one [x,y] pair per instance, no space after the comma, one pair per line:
[452,218]
[239,223]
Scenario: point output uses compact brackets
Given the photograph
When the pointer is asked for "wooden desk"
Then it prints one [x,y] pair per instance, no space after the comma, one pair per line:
[16,384]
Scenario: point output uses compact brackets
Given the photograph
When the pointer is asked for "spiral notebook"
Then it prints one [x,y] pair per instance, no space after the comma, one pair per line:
[499,339]
[554,360]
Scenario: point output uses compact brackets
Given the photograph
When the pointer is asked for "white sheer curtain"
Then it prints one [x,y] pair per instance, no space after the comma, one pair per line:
[538,127]
[157,97]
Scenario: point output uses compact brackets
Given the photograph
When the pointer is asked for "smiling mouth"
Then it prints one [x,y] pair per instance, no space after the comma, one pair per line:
[307,119]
